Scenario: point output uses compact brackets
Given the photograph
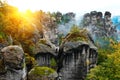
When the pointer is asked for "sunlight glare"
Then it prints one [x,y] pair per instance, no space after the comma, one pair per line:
[25,5]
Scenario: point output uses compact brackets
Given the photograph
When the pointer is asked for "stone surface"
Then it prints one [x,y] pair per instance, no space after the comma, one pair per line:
[99,25]
[75,66]
[14,63]
[74,58]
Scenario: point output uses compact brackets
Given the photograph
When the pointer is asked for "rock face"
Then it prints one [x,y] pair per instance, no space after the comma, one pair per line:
[77,54]
[99,26]
[79,58]
[13,61]
[44,55]
[74,60]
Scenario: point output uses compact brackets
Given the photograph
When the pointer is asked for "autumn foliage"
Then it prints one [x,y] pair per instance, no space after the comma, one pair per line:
[23,29]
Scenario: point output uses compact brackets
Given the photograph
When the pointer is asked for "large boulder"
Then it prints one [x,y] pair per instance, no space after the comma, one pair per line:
[13,61]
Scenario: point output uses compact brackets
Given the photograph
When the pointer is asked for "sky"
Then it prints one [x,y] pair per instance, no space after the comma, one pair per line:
[79,7]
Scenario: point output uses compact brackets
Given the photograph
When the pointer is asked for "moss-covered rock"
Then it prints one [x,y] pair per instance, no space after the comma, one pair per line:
[76,34]
[41,73]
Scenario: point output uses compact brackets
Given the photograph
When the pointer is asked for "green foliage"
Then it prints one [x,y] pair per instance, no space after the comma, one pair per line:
[75,29]
[32,49]
[95,74]
[102,55]
[30,60]
[108,48]
[103,52]
[24,28]
[53,62]
[108,68]
[2,37]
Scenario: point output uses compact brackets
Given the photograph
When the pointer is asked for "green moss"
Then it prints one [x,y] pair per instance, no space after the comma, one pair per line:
[41,71]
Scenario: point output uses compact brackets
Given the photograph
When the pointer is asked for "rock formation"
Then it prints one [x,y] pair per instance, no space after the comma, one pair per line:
[100,27]
[13,62]
[76,56]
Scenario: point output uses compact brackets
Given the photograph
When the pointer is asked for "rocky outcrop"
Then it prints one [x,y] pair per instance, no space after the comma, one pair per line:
[77,55]
[79,58]
[13,62]
[73,60]
[45,55]
[99,25]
